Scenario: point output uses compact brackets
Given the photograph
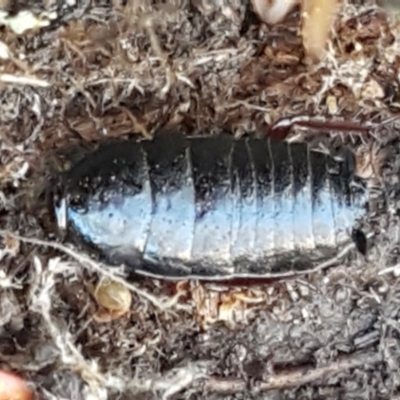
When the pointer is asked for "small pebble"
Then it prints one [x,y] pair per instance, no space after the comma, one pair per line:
[113,298]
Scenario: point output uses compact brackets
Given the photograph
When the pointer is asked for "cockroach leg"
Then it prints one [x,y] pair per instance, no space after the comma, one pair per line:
[360,241]
[281,128]
[349,162]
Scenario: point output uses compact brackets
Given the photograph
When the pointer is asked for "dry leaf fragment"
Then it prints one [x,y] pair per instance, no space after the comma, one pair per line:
[273,11]
[25,20]
[12,387]
[332,105]
[372,90]
[5,53]
[231,306]
[370,161]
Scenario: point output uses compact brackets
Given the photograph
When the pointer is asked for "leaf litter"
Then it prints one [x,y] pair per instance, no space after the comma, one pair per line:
[108,69]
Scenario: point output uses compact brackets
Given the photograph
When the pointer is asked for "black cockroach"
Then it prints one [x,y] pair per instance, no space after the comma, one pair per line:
[211,207]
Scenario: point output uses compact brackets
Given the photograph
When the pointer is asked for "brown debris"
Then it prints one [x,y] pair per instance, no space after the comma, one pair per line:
[317,20]
[120,68]
[299,377]
[230,306]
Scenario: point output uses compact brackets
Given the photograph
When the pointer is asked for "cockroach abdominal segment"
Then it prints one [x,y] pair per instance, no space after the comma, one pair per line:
[213,207]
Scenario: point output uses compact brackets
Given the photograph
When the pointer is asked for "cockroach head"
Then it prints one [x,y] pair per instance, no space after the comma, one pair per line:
[58,165]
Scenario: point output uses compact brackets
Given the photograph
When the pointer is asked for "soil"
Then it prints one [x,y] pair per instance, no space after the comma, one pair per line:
[95,70]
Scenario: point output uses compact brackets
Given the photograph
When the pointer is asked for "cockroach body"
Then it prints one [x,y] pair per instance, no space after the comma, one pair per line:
[211,207]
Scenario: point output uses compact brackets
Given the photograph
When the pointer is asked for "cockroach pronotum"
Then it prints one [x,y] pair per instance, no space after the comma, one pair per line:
[211,207]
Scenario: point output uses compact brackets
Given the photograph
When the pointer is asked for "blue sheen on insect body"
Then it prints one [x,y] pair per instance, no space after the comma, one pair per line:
[210,208]
[112,225]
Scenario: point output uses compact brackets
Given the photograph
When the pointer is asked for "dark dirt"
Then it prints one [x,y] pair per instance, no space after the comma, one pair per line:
[108,69]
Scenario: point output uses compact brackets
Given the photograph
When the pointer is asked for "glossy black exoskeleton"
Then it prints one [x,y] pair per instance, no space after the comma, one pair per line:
[210,207]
